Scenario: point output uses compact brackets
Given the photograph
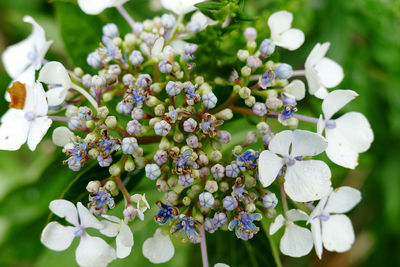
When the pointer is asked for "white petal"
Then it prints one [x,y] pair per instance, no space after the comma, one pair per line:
[276,224]
[178,46]
[306,143]
[317,236]
[112,218]
[269,166]
[221,265]
[159,248]
[27,78]
[352,135]
[317,53]
[94,251]
[296,215]
[57,237]
[56,96]
[337,233]
[280,22]
[157,48]
[87,219]
[13,130]
[318,209]
[54,73]
[290,39]
[314,84]
[342,200]
[62,136]
[320,125]
[308,180]
[296,88]
[37,131]
[124,241]
[65,209]
[335,101]
[321,93]
[330,73]
[281,142]
[110,229]
[94,7]
[39,101]
[202,19]
[297,241]
[180,7]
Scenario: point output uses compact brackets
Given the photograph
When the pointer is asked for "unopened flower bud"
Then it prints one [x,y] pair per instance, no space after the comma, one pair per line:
[269,200]
[232,170]
[93,186]
[250,101]
[251,137]
[263,127]
[253,62]
[230,203]
[129,145]
[186,201]
[206,199]
[162,128]
[168,21]
[130,213]
[216,156]
[155,87]
[259,109]
[93,153]
[250,181]
[110,30]
[274,103]
[246,71]
[136,58]
[173,88]
[171,197]
[243,54]
[162,185]
[209,100]
[225,114]
[164,66]
[251,207]
[244,92]
[111,122]
[211,186]
[250,34]
[129,165]
[284,71]
[115,169]
[152,171]
[267,47]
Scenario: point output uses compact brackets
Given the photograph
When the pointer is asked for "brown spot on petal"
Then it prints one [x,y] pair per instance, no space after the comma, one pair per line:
[18,94]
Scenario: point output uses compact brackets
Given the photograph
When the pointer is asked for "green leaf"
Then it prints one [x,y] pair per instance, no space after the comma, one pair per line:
[209,5]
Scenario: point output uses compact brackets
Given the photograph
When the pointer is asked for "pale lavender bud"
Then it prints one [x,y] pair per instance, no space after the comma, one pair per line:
[190,49]
[206,199]
[189,125]
[133,127]
[94,60]
[218,171]
[128,79]
[250,33]
[138,27]
[165,66]
[267,138]
[144,80]
[185,180]
[209,100]
[87,80]
[160,157]
[162,128]
[74,123]
[152,171]
[259,109]
[192,141]
[269,200]
[230,203]
[173,88]
[232,170]
[204,172]
[110,30]
[137,114]
[251,137]
[124,107]
[203,159]
[274,103]
[263,127]
[220,218]
[114,69]
[129,145]
[267,47]
[84,113]
[253,62]
[168,21]
[209,225]
[171,197]
[211,186]
[194,26]
[104,162]
[136,58]
[98,82]
[284,71]
[224,137]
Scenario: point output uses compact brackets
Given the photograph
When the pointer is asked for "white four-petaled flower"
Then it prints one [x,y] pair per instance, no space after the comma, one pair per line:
[321,72]
[329,227]
[347,135]
[159,248]
[305,180]
[91,251]
[141,204]
[94,7]
[282,34]
[296,241]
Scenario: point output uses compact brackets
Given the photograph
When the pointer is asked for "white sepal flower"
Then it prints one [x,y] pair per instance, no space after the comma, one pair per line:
[157,49]
[62,136]
[305,180]
[180,7]
[202,20]
[26,120]
[347,135]
[91,251]
[329,227]
[296,89]
[322,72]
[28,54]
[115,227]
[141,204]
[94,7]
[296,241]
[281,32]
[159,248]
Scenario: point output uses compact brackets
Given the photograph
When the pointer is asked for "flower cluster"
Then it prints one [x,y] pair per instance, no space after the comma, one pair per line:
[149,77]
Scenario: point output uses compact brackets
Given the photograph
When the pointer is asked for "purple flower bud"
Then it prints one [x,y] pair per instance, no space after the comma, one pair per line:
[253,62]
[133,127]
[160,157]
[267,138]
[206,199]
[259,109]
[267,47]
[136,58]
[250,33]
[144,80]
[164,66]
[152,171]
[110,30]
[137,114]
[220,219]
[194,26]
[284,71]
[185,180]
[209,100]
[266,79]
[232,170]
[209,225]
[138,27]
[128,79]
[173,88]
[74,123]
[190,49]
[129,145]
[224,137]
[230,203]
[124,108]
[94,60]
[269,200]
[189,125]
[104,162]
[218,171]
[168,21]
[87,80]
[192,141]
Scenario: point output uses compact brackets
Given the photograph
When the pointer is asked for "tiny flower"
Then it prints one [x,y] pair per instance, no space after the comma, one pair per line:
[220,219]
[250,34]
[224,137]
[206,199]
[244,226]
[152,171]
[110,30]
[166,213]
[91,251]
[232,170]
[329,226]
[253,62]
[281,32]
[94,7]
[247,158]
[189,227]
[296,241]
[109,51]
[321,72]
[136,58]
[100,201]
[230,203]
[115,227]
[173,88]
[189,125]
[305,180]
[94,60]
[165,66]
[159,248]
[133,127]
[218,171]
[104,162]
[162,128]
[296,89]
[347,135]
[283,71]
[267,47]
[78,152]
[129,145]
[269,200]
[259,109]
[141,204]
[168,21]
[266,79]
[160,157]
[185,180]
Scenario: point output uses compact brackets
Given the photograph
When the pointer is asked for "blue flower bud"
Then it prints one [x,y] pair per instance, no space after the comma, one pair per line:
[144,80]
[190,49]
[124,107]
[259,109]
[74,123]
[168,21]
[152,171]
[94,60]
[269,200]
[164,66]
[232,170]
[250,33]
[206,199]
[138,27]
[110,30]
[129,145]
[136,58]
[104,162]
[185,180]
[284,71]
[267,47]
[173,88]
[209,100]
[230,203]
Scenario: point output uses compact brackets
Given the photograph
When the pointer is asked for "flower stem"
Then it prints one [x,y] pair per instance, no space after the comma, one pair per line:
[230,101]
[126,16]
[121,185]
[299,73]
[275,252]
[203,247]
[284,200]
[58,118]
[85,94]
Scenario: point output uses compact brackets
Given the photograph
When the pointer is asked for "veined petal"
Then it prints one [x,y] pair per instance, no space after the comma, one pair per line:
[269,166]
[296,215]
[342,200]
[57,237]
[335,101]
[317,236]
[337,233]
[13,130]
[280,22]
[308,180]
[352,135]
[276,224]
[124,241]
[318,209]
[330,73]
[290,39]
[87,219]
[159,248]
[37,131]
[296,88]
[306,143]
[94,251]
[281,142]
[297,241]
[94,7]
[110,229]
[56,96]
[54,73]
[65,209]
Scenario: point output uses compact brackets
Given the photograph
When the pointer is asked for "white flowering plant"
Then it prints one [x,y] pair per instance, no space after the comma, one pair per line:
[219,130]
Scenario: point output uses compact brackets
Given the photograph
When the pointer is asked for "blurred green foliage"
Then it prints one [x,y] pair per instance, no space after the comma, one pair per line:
[365,40]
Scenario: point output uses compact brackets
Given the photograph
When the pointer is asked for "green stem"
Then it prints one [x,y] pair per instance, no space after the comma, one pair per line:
[275,252]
